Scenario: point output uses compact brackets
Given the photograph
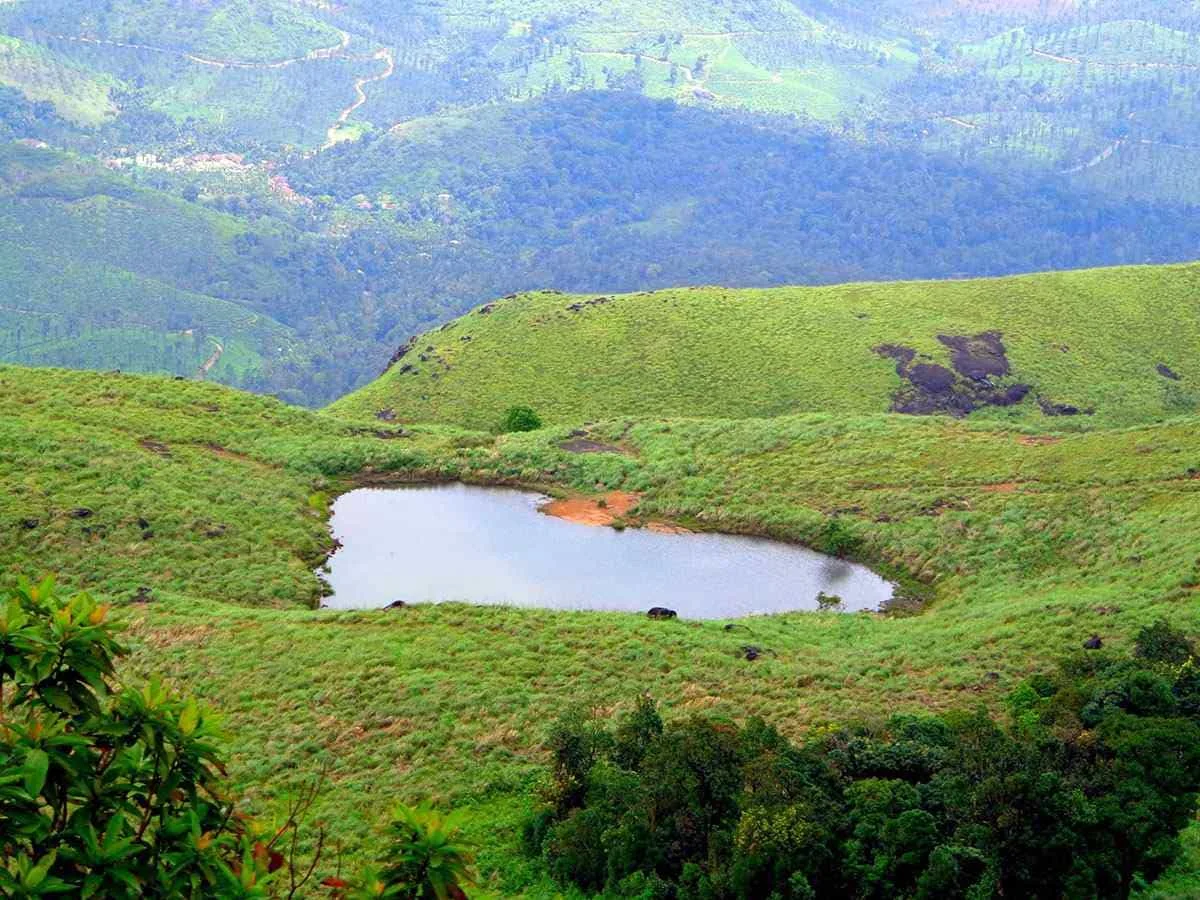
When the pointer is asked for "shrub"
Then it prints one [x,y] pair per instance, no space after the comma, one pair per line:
[428,859]
[1162,643]
[519,418]
[1082,793]
[829,602]
[109,791]
[837,539]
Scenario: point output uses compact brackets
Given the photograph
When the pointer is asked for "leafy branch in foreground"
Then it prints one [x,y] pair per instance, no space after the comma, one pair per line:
[109,791]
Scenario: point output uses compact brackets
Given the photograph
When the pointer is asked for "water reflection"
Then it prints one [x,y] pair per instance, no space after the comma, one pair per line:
[491,546]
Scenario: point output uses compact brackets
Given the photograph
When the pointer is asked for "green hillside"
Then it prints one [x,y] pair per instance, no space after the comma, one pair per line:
[102,270]
[1021,545]
[1101,347]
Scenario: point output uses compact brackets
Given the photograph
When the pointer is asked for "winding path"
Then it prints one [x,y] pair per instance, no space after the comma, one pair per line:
[1101,64]
[337,51]
[320,53]
[218,351]
[360,85]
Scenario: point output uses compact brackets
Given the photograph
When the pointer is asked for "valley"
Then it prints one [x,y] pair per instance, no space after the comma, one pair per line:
[1014,540]
[352,133]
[647,450]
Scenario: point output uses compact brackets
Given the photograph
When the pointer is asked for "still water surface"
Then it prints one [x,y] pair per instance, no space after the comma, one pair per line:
[492,546]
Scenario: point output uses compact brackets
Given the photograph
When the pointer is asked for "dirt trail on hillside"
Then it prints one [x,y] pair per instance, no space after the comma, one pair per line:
[360,85]
[1079,61]
[218,352]
[1100,157]
[320,53]
[337,51]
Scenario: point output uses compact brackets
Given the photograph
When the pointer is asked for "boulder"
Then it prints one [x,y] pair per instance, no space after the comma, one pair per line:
[1093,643]
[661,612]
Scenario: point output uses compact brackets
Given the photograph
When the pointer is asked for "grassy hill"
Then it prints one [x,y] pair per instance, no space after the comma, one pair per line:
[1022,544]
[1100,347]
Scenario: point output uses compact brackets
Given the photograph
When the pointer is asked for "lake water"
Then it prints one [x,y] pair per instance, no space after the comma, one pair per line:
[491,546]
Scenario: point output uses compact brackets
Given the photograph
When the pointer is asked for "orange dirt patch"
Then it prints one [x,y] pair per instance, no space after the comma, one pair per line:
[1003,487]
[593,510]
[1031,440]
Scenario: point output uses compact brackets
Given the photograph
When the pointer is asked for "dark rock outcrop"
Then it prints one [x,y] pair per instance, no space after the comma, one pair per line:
[402,352]
[1050,408]
[661,612]
[931,389]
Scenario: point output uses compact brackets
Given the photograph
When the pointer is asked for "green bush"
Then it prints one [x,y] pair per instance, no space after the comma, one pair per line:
[427,859]
[519,418]
[1162,643]
[837,539]
[1082,793]
[110,791]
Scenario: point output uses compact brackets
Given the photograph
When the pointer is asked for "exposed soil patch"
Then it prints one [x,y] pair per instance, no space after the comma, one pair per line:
[225,453]
[1002,487]
[1166,372]
[593,510]
[931,389]
[587,445]
[667,528]
[1038,440]
[156,447]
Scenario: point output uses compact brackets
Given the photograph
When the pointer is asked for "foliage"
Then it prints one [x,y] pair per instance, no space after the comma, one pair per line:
[427,856]
[1160,642]
[519,418]
[1076,796]
[109,791]
[1056,136]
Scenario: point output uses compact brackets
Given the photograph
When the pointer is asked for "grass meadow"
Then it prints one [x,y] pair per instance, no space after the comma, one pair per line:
[1021,543]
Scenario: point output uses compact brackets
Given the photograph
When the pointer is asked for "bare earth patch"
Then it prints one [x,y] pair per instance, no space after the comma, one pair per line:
[667,528]
[1038,440]
[593,510]
[1003,487]
[587,445]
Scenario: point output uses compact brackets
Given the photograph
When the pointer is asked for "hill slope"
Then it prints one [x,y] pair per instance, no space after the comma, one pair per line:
[101,270]
[1105,346]
[1026,546]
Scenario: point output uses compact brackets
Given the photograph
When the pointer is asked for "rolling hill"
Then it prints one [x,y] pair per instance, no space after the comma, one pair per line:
[1019,545]
[1105,347]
